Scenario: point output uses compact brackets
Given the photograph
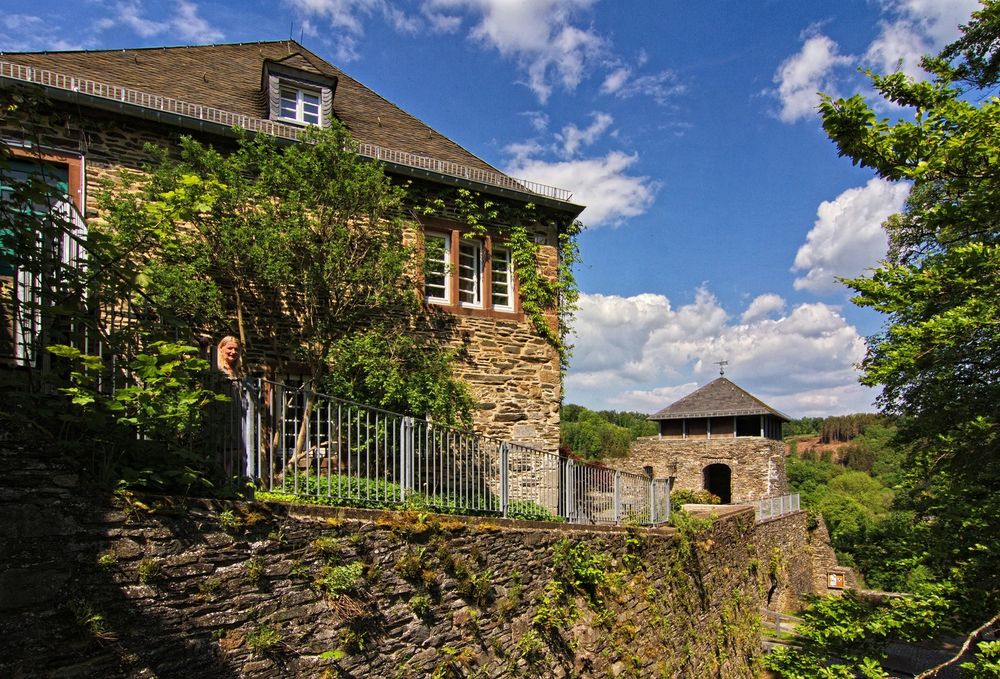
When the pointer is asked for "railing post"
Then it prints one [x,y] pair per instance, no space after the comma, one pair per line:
[618,497]
[250,390]
[670,488]
[568,489]
[652,501]
[405,458]
[504,478]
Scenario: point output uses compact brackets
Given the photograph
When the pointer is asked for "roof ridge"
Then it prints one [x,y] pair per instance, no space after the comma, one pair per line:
[157,47]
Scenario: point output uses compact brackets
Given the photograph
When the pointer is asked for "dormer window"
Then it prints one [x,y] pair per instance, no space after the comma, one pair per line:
[296,93]
[301,105]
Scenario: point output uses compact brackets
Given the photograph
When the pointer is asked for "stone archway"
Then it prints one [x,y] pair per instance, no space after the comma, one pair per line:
[719,481]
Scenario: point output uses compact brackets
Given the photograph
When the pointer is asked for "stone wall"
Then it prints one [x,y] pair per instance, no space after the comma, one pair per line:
[147,586]
[786,557]
[513,374]
[757,464]
[796,559]
[825,563]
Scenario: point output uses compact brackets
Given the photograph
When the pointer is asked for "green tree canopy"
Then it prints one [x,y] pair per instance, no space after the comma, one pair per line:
[298,250]
[601,434]
[938,358]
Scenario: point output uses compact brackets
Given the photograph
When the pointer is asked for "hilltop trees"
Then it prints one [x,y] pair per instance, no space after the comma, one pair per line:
[600,434]
[938,358]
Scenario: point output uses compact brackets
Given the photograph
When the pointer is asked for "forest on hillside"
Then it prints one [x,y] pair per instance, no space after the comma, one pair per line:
[854,485]
[599,434]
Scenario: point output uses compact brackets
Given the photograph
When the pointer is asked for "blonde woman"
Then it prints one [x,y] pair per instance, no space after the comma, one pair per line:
[228,357]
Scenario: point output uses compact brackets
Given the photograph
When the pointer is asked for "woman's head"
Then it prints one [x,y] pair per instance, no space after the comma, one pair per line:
[229,355]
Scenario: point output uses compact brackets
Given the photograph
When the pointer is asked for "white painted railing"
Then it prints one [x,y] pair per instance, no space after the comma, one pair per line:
[773,507]
[298,444]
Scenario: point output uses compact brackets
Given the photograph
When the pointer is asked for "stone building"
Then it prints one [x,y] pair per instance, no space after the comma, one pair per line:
[100,108]
[718,438]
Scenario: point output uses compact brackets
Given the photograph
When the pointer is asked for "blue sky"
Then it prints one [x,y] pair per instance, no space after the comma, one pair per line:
[718,212]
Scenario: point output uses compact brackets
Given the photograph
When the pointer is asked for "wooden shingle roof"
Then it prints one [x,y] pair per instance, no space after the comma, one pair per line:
[228,77]
[718,398]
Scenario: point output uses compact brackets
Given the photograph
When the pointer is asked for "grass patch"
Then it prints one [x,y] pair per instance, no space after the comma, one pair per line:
[340,490]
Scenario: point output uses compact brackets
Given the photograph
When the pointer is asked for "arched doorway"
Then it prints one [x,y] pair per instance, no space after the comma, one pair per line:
[718,481]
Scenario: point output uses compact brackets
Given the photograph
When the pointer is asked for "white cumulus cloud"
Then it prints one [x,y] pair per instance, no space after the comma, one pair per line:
[540,35]
[31,33]
[642,353]
[847,237]
[184,22]
[914,28]
[803,75]
[908,30]
[763,306]
[660,87]
[602,184]
[573,137]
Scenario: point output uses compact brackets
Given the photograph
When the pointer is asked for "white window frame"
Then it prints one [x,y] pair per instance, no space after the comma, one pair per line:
[497,255]
[445,261]
[469,247]
[300,103]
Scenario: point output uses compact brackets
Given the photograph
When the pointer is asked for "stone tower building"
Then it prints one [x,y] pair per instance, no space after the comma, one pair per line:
[719,438]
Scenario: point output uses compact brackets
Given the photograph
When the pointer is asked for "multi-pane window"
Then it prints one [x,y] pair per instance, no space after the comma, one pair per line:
[470,273]
[437,255]
[300,105]
[502,279]
[42,233]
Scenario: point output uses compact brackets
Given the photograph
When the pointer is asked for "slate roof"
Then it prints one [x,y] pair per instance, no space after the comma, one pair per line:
[718,398]
[228,77]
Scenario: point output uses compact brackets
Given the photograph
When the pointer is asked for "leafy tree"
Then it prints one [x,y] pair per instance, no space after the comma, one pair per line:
[853,631]
[149,431]
[300,244]
[601,434]
[938,359]
[802,427]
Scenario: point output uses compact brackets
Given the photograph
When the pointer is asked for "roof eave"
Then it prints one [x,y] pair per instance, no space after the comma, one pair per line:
[718,413]
[197,124]
[572,209]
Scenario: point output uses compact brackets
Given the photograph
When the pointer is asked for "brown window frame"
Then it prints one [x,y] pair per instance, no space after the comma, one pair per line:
[456,234]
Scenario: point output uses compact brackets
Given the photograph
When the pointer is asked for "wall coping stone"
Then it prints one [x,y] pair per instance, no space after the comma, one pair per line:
[307,512]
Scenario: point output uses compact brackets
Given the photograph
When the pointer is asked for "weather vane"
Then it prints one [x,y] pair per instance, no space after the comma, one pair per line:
[722,366]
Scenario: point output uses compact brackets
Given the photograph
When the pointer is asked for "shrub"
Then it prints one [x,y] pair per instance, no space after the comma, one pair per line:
[265,639]
[338,580]
[684,496]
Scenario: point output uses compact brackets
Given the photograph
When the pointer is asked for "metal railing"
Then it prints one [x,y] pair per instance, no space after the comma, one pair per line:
[778,622]
[773,507]
[126,95]
[301,444]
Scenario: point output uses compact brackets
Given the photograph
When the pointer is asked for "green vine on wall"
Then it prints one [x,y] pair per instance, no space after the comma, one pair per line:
[539,294]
